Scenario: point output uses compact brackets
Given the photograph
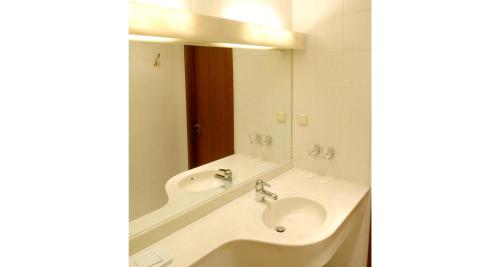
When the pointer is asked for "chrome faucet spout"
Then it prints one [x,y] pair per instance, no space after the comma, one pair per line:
[261,193]
[271,195]
[227,177]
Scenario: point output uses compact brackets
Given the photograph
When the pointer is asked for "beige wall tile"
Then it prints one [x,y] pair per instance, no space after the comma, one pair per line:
[356,5]
[304,69]
[329,33]
[358,69]
[356,108]
[328,7]
[331,70]
[355,144]
[354,171]
[357,31]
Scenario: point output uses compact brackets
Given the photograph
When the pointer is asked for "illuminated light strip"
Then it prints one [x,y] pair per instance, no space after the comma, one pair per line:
[245,46]
[153,39]
[186,27]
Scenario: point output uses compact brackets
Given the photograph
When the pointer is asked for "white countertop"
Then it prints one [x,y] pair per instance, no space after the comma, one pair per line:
[241,219]
[242,166]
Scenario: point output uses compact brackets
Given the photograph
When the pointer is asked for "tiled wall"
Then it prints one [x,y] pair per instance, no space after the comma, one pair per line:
[331,84]
[158,138]
[262,88]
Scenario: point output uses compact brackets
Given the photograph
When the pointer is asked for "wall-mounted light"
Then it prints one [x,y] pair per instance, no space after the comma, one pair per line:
[161,24]
[177,4]
[244,46]
[253,12]
[153,39]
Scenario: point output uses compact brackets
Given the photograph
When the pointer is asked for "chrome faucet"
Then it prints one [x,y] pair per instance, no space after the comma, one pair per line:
[261,193]
[227,177]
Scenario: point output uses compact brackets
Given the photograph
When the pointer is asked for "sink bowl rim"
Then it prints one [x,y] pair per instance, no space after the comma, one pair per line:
[183,179]
[281,197]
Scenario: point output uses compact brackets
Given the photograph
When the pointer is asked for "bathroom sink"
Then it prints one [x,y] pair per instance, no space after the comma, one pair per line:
[200,181]
[294,216]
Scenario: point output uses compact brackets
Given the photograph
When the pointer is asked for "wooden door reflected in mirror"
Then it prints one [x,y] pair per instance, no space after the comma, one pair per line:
[209,103]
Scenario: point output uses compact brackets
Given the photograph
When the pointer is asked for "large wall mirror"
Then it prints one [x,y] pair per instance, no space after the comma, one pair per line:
[202,121]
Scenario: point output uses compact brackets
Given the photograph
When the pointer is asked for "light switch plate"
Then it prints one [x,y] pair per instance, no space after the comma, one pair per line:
[281,117]
[303,119]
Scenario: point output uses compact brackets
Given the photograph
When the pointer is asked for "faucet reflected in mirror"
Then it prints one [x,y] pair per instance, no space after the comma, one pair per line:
[227,177]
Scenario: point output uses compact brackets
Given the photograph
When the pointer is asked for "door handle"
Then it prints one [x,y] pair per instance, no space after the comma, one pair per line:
[197,129]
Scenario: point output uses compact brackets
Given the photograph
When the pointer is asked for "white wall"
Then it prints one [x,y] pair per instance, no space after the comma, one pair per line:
[331,84]
[158,138]
[262,88]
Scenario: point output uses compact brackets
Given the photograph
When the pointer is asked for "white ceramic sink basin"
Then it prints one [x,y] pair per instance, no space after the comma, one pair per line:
[294,216]
[200,181]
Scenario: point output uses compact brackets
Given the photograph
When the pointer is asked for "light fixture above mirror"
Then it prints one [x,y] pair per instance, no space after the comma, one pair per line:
[162,24]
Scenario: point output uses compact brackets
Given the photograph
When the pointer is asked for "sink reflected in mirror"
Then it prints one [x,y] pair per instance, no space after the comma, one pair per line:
[294,216]
[201,181]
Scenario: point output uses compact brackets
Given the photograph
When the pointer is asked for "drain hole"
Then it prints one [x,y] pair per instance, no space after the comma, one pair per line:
[280,229]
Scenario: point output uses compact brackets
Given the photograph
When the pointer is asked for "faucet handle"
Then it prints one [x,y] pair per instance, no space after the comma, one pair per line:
[225,171]
[314,149]
[260,184]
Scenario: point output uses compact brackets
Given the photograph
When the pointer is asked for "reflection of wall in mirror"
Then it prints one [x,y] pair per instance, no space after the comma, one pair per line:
[158,142]
[262,90]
